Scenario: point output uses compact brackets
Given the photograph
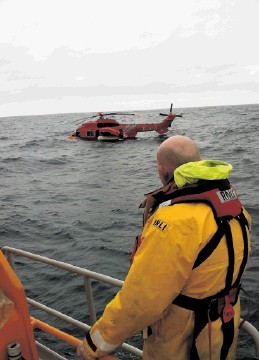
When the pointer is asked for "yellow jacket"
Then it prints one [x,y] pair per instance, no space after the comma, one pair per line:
[162,268]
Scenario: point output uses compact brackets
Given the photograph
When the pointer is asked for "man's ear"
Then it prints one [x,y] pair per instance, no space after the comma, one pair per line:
[166,176]
[163,174]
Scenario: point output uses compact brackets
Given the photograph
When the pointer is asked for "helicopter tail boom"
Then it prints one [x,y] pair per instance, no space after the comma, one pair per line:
[163,127]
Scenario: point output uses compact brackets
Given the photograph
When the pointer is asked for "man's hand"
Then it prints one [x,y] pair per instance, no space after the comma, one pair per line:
[80,352]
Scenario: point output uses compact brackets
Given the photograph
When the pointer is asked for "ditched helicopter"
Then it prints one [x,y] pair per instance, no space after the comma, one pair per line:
[108,129]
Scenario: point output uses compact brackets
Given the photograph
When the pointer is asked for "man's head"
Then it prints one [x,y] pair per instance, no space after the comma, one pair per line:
[173,152]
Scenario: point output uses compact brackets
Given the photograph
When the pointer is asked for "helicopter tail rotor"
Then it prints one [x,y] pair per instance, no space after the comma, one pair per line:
[170,112]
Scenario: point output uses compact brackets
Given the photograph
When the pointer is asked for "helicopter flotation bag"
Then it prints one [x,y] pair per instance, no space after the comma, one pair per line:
[16,328]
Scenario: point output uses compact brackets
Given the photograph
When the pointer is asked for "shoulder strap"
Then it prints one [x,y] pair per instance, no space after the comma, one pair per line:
[210,246]
[244,226]
[231,257]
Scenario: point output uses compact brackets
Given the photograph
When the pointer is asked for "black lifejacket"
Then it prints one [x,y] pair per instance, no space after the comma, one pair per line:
[223,200]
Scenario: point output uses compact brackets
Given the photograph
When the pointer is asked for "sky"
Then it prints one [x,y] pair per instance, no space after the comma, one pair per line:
[73,56]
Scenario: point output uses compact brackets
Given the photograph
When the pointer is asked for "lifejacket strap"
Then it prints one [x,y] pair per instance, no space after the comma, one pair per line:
[213,306]
[210,246]
[231,257]
[200,321]
[228,336]
[244,226]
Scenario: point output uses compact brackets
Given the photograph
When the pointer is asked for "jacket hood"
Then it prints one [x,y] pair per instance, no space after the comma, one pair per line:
[192,172]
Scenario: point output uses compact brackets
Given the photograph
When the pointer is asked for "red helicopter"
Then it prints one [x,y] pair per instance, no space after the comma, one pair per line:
[107,129]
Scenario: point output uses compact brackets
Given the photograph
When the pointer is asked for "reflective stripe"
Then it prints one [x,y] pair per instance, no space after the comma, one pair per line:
[101,344]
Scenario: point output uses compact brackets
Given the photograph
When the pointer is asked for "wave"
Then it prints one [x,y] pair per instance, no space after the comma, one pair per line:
[12,159]
[77,201]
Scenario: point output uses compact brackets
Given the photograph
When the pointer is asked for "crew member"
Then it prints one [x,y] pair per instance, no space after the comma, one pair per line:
[183,284]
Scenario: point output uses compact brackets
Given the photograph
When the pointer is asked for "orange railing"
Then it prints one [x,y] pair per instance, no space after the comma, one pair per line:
[61,335]
[87,277]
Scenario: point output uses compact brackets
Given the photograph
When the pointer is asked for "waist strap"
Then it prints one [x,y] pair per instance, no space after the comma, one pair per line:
[193,304]
[211,309]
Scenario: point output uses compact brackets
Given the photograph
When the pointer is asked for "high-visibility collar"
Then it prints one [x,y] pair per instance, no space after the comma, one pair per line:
[192,172]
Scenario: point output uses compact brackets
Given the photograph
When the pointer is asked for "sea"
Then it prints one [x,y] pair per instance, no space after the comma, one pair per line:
[78,201]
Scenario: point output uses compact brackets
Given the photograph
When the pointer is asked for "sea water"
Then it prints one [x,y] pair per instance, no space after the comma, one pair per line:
[77,201]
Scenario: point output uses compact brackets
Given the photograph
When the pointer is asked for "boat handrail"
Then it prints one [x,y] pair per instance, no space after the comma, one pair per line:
[253,332]
[88,276]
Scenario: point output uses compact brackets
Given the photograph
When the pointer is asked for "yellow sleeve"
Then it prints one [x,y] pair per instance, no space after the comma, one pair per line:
[158,273]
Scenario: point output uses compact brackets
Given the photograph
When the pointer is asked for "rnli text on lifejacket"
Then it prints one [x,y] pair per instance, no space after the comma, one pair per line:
[161,225]
[226,195]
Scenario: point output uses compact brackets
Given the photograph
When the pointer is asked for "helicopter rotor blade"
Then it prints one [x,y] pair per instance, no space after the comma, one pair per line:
[100,114]
[90,117]
[180,115]
[85,118]
[118,114]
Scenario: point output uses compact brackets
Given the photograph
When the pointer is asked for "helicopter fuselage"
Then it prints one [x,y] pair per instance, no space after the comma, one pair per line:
[107,128]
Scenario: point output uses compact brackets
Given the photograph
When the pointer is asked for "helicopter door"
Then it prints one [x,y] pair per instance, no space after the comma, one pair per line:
[90,134]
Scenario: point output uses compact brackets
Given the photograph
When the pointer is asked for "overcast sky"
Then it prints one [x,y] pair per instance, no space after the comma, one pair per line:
[60,56]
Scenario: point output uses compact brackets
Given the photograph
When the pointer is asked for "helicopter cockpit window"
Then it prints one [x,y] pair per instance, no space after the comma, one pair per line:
[89,133]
